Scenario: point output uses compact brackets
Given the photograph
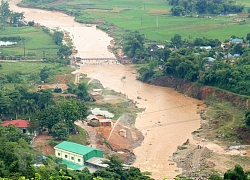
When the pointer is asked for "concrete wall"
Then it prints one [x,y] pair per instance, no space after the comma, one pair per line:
[69,156]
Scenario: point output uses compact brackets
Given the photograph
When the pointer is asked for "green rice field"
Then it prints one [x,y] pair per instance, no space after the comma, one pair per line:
[32,67]
[153,19]
[35,43]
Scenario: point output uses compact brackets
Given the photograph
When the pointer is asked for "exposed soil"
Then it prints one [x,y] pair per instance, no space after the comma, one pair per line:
[41,142]
[200,160]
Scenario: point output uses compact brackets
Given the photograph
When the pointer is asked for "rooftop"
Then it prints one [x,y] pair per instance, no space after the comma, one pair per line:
[19,123]
[98,111]
[105,120]
[71,165]
[75,148]
[97,161]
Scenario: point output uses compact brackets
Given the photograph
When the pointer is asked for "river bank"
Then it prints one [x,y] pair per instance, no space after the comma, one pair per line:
[167,122]
[169,117]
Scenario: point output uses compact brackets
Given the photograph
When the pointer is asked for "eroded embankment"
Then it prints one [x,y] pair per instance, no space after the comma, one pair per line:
[202,92]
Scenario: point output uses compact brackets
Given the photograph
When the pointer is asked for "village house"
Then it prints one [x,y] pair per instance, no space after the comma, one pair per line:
[77,156]
[207,48]
[236,40]
[105,122]
[233,41]
[18,123]
[209,62]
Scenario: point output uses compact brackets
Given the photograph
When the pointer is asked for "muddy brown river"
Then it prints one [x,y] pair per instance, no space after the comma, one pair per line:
[169,117]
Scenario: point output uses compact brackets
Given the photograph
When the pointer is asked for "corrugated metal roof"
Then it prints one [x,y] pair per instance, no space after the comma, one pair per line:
[105,120]
[98,111]
[75,148]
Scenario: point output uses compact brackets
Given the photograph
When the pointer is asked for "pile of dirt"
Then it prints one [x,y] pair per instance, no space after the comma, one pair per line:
[41,142]
[121,140]
[194,161]
[200,161]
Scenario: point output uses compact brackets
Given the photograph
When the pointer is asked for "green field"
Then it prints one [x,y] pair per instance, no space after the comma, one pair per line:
[31,67]
[35,43]
[28,72]
[153,19]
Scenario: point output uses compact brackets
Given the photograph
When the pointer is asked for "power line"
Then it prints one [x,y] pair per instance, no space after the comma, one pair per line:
[165,109]
[169,123]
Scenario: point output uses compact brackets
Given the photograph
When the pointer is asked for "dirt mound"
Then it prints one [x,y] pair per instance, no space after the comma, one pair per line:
[121,140]
[41,143]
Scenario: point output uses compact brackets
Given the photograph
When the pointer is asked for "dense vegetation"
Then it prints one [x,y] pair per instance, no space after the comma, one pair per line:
[183,7]
[190,60]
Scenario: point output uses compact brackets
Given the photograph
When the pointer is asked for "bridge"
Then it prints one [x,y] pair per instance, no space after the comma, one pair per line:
[97,59]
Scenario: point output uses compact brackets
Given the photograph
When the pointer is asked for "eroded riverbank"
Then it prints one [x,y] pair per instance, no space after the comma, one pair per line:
[167,122]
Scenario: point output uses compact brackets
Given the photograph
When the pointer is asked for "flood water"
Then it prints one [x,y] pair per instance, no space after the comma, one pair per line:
[169,117]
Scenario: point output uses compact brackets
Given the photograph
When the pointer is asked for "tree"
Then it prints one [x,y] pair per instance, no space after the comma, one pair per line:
[177,11]
[248,36]
[64,52]
[72,110]
[5,104]
[82,92]
[45,98]
[237,173]
[15,18]
[31,23]
[60,131]
[247,118]
[49,116]
[133,45]
[44,73]
[57,37]
[176,41]
[201,6]
[4,10]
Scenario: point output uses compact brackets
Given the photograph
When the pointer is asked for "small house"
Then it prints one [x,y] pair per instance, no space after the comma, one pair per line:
[207,48]
[236,40]
[98,112]
[18,123]
[75,155]
[95,96]
[105,122]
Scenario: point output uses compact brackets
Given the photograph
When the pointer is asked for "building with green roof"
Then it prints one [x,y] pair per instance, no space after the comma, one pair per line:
[76,153]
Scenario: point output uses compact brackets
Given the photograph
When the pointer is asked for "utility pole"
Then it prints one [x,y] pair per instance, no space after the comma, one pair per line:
[23,48]
[157,21]
[144,6]
[141,21]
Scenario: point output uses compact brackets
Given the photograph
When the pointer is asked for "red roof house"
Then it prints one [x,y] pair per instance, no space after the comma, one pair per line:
[18,123]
